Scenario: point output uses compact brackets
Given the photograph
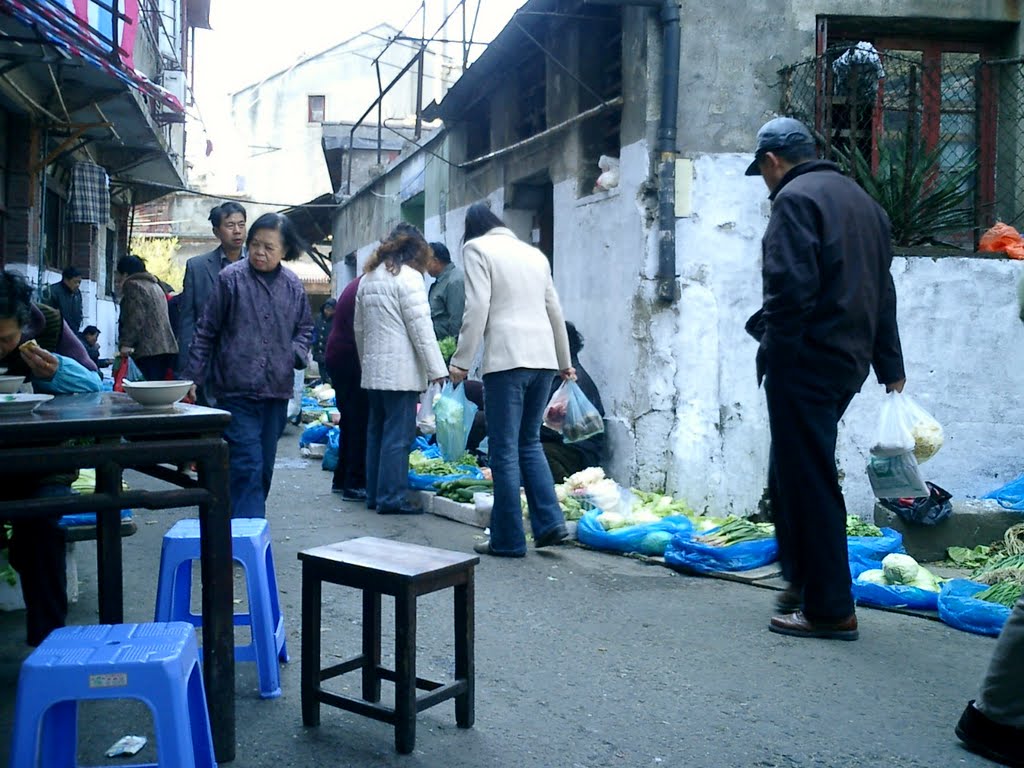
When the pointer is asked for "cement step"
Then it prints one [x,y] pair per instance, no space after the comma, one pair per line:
[972,522]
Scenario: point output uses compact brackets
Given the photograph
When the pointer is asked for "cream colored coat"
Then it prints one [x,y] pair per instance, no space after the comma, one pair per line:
[511,306]
[394,336]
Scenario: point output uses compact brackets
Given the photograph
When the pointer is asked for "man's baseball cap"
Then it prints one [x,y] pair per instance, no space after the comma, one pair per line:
[779,133]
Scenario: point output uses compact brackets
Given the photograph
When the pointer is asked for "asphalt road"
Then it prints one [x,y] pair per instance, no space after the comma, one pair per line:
[583,660]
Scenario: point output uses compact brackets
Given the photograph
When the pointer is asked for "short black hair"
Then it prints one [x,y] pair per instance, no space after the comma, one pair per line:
[90,329]
[130,265]
[15,297]
[575,339]
[294,245]
[70,273]
[480,220]
[796,155]
[441,253]
[219,212]
[329,304]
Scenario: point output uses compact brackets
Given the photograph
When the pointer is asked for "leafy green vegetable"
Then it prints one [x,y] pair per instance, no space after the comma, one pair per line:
[857,527]
[1004,593]
[448,346]
[900,568]
[970,558]
[421,465]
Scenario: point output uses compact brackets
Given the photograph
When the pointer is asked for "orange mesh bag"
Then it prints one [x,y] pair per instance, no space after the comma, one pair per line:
[1003,238]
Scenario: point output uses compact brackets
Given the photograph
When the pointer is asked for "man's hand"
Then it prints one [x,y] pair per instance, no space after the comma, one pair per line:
[191,393]
[569,374]
[439,382]
[42,364]
[457,375]
[896,386]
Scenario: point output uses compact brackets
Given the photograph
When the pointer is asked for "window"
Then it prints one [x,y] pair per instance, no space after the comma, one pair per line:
[532,101]
[478,129]
[56,253]
[316,108]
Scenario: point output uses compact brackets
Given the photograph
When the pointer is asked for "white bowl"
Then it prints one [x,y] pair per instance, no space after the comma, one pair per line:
[20,404]
[10,384]
[157,393]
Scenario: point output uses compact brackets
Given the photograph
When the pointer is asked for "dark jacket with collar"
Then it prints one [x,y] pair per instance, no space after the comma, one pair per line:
[69,302]
[200,280]
[829,306]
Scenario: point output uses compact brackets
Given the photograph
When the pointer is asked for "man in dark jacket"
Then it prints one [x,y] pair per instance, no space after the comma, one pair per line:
[66,296]
[829,313]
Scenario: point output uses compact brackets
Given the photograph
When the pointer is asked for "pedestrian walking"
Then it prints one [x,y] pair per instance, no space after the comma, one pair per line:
[993,724]
[829,312]
[144,326]
[447,293]
[66,296]
[399,356]
[342,361]
[321,330]
[228,222]
[254,332]
[513,309]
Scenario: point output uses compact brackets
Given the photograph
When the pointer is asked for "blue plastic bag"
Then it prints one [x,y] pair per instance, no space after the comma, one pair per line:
[314,433]
[894,596]
[648,539]
[454,414]
[874,547]
[688,554]
[330,460]
[87,518]
[961,610]
[427,482]
[1010,496]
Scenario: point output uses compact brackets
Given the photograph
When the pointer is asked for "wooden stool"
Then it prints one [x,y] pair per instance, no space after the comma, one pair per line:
[404,571]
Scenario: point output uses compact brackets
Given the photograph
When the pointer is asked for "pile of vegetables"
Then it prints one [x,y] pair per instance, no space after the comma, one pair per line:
[1005,593]
[462,490]
[448,345]
[857,527]
[901,570]
[736,530]
[421,464]
[663,506]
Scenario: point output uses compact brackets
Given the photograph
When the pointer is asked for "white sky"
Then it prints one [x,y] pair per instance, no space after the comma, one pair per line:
[254,38]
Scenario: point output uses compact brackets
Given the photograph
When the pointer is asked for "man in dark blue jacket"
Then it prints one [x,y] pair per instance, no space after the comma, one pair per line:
[829,313]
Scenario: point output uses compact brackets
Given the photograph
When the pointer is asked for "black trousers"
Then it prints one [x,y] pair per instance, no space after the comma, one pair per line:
[37,553]
[354,409]
[803,485]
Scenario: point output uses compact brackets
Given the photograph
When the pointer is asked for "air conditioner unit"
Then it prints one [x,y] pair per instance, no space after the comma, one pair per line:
[174,80]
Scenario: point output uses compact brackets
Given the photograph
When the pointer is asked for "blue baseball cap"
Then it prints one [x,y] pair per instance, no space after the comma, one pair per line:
[779,133]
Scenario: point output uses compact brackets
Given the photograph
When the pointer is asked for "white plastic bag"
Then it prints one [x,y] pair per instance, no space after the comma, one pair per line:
[896,477]
[426,422]
[903,427]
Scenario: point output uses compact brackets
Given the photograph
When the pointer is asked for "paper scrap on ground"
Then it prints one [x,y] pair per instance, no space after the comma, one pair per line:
[127,745]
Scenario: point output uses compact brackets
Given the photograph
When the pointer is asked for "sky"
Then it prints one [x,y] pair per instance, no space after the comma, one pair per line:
[251,39]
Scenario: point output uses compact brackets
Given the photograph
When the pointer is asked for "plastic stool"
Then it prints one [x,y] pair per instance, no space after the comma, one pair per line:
[155,663]
[250,541]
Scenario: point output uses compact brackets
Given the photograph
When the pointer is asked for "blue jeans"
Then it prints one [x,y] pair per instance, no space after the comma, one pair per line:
[390,432]
[252,439]
[515,408]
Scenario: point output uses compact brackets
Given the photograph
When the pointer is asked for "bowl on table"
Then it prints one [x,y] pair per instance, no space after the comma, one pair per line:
[155,394]
[20,404]
[10,384]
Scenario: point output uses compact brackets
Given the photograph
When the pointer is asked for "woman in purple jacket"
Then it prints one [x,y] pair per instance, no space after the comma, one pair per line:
[254,332]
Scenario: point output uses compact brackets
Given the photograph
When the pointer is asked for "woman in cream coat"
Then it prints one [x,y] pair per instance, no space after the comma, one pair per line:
[512,307]
[399,354]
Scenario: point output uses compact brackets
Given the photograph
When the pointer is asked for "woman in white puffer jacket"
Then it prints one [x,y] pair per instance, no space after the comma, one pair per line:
[399,356]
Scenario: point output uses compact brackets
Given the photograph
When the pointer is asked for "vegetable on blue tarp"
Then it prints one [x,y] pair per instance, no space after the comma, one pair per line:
[692,554]
[960,608]
[874,547]
[329,463]
[646,538]
[900,582]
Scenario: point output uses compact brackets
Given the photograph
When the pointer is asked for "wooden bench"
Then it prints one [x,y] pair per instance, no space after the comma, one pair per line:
[403,571]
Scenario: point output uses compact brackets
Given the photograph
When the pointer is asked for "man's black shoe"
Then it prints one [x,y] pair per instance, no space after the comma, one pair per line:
[551,538]
[405,509]
[351,494]
[998,742]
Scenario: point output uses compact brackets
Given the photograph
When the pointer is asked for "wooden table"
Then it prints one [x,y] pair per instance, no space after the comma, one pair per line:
[111,432]
[404,571]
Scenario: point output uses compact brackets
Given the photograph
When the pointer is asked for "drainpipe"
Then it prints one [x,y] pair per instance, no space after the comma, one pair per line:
[666,146]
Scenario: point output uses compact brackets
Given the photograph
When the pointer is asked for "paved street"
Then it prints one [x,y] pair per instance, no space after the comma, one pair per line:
[583,660]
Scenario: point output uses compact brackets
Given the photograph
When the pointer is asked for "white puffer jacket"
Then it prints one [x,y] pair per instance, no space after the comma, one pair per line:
[394,335]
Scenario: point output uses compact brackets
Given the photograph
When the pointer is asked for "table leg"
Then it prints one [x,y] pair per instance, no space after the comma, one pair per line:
[218,608]
[371,645]
[465,654]
[405,671]
[310,663]
[110,573]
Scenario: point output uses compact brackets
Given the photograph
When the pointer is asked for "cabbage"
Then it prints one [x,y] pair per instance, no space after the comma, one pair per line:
[643,517]
[611,520]
[874,576]
[900,569]
[925,580]
[655,543]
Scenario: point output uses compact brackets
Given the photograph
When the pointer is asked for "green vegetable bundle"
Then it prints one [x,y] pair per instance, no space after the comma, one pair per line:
[857,527]
[421,465]
[448,345]
[462,490]
[1004,593]
[736,530]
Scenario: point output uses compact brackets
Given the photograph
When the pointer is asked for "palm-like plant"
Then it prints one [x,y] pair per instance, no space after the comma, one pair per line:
[921,198]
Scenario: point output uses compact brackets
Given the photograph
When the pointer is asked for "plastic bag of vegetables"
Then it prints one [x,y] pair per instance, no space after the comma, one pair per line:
[453,415]
[905,427]
[960,608]
[572,415]
[693,554]
[883,587]
[615,532]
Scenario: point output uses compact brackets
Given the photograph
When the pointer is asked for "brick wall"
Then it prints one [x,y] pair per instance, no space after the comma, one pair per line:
[21,236]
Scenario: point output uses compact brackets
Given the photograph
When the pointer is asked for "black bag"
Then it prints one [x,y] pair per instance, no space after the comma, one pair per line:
[925,510]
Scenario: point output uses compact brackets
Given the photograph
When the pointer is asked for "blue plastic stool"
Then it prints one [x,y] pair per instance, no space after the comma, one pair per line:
[157,664]
[250,541]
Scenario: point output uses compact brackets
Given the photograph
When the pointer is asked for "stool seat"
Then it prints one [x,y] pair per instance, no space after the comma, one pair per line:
[250,544]
[155,663]
[403,571]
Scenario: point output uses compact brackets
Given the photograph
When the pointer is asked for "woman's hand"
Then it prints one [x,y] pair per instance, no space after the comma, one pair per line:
[569,374]
[457,375]
[127,351]
[41,363]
